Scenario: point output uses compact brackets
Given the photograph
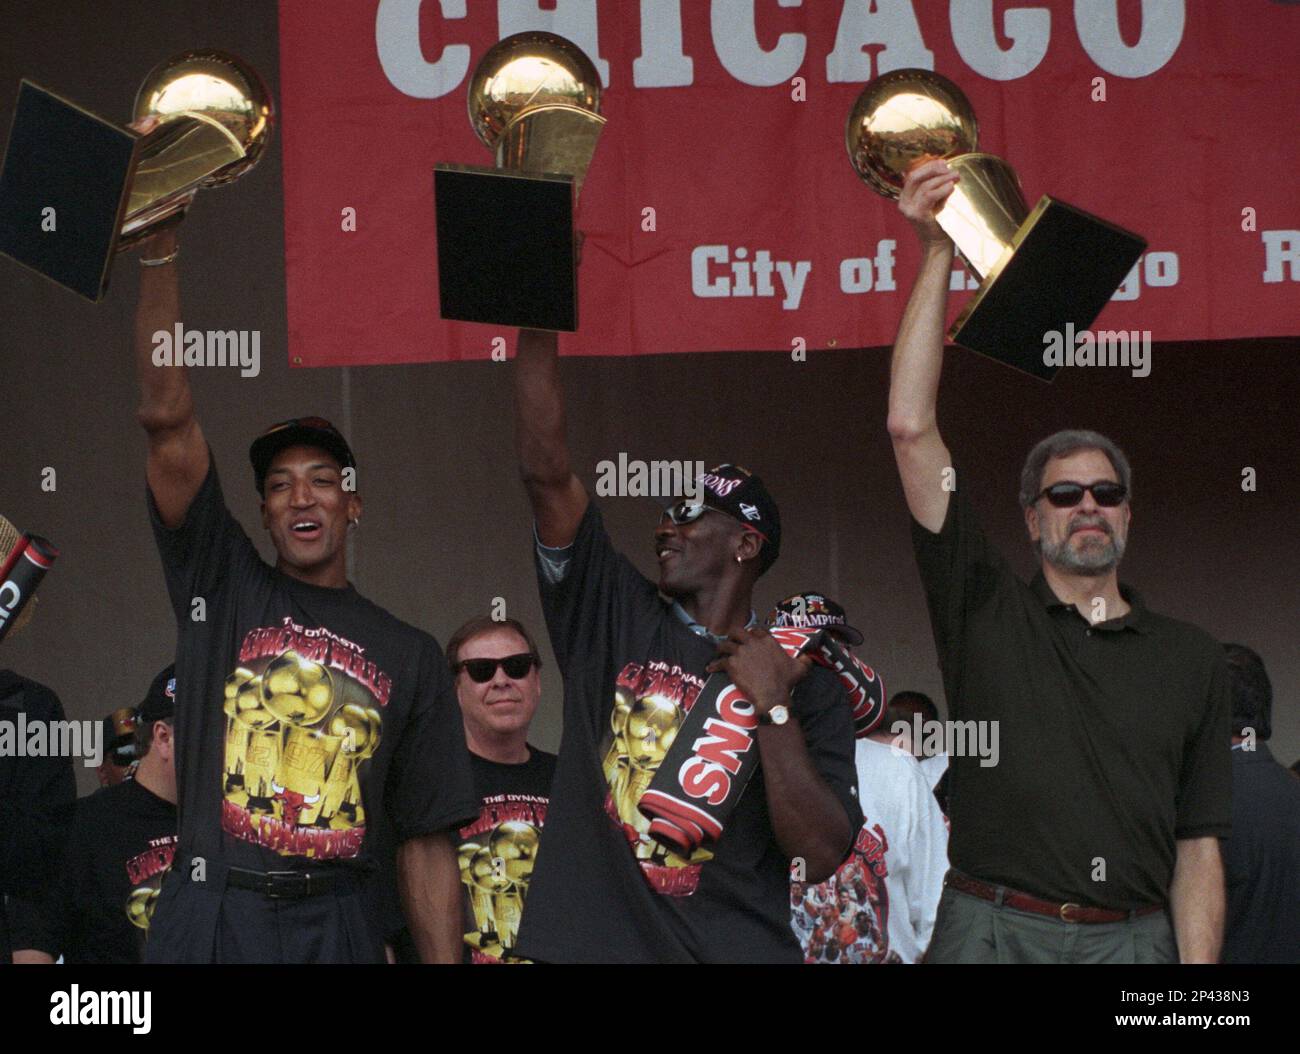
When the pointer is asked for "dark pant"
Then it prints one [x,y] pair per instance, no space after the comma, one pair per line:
[971,930]
[210,922]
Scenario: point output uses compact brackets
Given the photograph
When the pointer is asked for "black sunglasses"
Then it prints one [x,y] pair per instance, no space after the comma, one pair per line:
[483,670]
[1066,495]
[687,511]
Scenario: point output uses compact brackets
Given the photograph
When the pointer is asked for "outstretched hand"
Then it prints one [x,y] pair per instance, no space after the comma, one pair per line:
[925,190]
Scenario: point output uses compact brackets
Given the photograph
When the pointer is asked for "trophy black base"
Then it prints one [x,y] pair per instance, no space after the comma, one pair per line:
[63,190]
[1064,266]
[506,253]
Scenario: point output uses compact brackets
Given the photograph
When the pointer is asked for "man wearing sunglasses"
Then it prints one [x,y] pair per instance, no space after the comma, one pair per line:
[314,728]
[1100,822]
[498,682]
[634,664]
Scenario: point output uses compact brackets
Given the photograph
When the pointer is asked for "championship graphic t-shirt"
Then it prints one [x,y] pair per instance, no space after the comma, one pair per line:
[879,907]
[308,716]
[120,846]
[498,848]
[603,890]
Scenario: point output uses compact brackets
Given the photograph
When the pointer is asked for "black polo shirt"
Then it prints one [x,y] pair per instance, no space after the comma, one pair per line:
[1110,735]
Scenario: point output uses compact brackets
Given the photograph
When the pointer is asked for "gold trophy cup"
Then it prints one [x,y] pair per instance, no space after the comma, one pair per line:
[1039,269]
[76,189]
[506,246]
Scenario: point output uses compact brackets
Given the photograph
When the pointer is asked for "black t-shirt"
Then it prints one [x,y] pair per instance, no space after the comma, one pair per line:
[35,794]
[498,848]
[307,717]
[120,846]
[1261,862]
[1110,735]
[602,890]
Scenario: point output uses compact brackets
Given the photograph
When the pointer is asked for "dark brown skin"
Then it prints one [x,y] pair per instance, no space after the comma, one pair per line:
[306,483]
[301,481]
[766,674]
[710,568]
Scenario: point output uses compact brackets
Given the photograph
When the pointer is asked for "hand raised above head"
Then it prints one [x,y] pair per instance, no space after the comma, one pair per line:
[925,190]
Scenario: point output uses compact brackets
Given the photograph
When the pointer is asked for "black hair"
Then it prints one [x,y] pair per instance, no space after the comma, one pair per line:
[1252,693]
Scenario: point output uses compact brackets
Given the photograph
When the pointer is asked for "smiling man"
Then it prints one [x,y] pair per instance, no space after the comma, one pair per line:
[313,726]
[498,683]
[1099,825]
[604,889]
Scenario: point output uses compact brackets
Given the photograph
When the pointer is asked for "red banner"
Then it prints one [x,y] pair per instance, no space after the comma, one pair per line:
[721,211]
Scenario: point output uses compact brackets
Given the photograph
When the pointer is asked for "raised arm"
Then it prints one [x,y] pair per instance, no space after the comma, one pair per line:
[918,352]
[178,453]
[557,495]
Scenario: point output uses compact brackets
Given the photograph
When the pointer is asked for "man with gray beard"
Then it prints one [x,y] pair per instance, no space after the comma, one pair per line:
[1095,836]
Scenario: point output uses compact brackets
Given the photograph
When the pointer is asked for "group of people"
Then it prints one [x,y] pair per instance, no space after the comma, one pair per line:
[317,781]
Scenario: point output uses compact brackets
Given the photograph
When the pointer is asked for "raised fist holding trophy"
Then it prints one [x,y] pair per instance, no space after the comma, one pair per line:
[507,250]
[1039,270]
[75,190]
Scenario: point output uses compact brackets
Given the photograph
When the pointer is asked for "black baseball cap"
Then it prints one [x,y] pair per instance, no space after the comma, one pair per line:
[743,496]
[160,703]
[818,612]
[298,431]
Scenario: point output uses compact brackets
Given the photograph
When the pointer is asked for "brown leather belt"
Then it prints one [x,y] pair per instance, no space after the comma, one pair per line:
[1024,902]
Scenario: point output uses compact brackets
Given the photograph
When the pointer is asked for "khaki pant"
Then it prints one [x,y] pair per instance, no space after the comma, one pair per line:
[970,930]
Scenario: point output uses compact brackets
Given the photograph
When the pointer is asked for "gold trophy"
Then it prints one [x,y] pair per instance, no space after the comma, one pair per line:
[76,189]
[480,899]
[300,692]
[651,728]
[253,743]
[1039,270]
[506,246]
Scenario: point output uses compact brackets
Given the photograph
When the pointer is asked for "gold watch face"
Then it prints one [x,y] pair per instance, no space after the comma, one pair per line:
[778,715]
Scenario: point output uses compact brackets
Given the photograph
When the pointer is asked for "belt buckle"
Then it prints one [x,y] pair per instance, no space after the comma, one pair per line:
[1065,908]
[281,884]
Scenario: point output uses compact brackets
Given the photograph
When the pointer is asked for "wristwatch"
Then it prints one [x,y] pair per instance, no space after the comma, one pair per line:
[778,715]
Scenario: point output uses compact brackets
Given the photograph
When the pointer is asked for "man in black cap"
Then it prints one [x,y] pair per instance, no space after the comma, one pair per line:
[312,719]
[120,846]
[604,889]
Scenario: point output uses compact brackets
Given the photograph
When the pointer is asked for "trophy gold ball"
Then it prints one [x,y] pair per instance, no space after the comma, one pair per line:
[902,119]
[200,119]
[218,86]
[525,71]
[1039,270]
[515,844]
[651,728]
[486,873]
[534,101]
[297,690]
[359,727]
[249,710]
